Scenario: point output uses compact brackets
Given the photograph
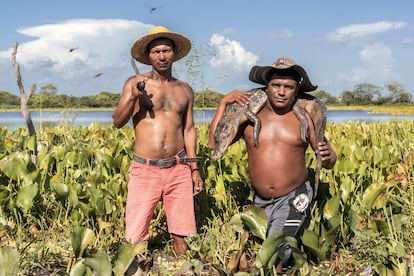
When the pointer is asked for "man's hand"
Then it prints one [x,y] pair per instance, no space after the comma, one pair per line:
[240,97]
[197,181]
[327,154]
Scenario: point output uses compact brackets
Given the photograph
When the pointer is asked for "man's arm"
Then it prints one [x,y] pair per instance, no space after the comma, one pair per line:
[126,104]
[235,96]
[190,142]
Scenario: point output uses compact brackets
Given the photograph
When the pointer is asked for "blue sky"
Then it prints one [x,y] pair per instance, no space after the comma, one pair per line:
[340,43]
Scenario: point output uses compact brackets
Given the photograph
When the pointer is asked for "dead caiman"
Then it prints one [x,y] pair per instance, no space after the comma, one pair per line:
[235,115]
[317,112]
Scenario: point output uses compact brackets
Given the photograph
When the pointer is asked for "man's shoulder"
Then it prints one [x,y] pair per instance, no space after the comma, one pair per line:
[183,84]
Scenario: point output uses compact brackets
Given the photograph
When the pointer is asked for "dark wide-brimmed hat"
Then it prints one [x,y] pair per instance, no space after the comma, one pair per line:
[139,50]
[283,65]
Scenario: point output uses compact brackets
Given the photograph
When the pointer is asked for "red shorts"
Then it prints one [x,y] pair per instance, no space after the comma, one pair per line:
[147,185]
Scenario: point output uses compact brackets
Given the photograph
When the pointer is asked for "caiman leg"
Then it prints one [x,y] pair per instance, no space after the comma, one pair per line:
[304,125]
[257,126]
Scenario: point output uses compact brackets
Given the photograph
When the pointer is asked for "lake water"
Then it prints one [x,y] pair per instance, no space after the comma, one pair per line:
[15,120]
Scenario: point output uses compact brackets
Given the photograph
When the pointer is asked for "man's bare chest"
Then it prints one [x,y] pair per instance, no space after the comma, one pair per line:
[276,132]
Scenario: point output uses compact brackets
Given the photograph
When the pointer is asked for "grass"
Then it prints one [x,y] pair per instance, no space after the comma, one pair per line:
[384,109]
[407,109]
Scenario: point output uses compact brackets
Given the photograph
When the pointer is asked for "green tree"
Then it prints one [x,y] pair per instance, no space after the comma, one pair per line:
[347,97]
[366,92]
[325,97]
[363,94]
[46,98]
[398,94]
[8,100]
[207,99]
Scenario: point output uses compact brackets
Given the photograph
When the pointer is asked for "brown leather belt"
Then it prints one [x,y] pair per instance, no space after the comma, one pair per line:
[167,162]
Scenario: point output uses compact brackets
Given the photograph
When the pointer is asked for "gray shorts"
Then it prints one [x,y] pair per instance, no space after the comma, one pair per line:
[287,213]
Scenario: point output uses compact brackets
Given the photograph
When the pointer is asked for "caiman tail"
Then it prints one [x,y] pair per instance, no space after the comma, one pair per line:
[318,112]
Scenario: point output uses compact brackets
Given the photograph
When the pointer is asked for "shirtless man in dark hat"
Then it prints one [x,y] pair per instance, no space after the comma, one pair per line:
[164,164]
[277,168]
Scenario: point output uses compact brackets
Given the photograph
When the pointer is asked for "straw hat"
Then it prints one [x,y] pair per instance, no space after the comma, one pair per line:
[283,65]
[139,49]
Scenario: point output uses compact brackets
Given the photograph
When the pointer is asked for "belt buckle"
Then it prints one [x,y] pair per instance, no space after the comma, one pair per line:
[166,163]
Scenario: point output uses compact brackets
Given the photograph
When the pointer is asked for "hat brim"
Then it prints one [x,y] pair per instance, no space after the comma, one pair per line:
[139,47]
[260,74]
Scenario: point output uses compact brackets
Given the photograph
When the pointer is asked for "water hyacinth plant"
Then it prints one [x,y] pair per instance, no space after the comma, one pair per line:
[64,211]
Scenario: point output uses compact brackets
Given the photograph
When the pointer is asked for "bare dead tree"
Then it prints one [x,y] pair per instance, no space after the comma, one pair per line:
[24,97]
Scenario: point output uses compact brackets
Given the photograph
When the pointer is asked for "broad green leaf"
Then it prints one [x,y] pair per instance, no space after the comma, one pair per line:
[397,249]
[80,239]
[25,197]
[254,218]
[31,143]
[346,188]
[14,167]
[373,191]
[59,151]
[60,188]
[377,155]
[125,255]
[43,160]
[99,264]
[30,177]
[9,261]
[79,269]
[220,194]
[310,240]
[71,158]
[331,207]
[357,152]
[269,248]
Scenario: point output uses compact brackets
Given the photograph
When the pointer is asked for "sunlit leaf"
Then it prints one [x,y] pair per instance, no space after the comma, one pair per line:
[71,158]
[25,197]
[269,248]
[31,143]
[9,261]
[61,189]
[125,255]
[80,239]
[13,167]
[99,264]
[373,191]
[331,208]
[79,269]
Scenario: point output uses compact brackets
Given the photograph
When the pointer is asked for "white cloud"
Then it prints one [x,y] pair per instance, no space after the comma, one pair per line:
[376,54]
[286,34]
[376,66]
[230,53]
[357,31]
[407,40]
[101,46]
[94,39]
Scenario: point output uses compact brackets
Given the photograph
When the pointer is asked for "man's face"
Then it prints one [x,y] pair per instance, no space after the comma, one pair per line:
[282,92]
[161,53]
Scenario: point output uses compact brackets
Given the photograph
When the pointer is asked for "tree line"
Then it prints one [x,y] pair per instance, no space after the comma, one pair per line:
[362,94]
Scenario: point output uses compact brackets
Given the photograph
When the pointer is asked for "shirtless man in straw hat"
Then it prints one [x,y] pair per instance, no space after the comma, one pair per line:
[165,163]
[277,167]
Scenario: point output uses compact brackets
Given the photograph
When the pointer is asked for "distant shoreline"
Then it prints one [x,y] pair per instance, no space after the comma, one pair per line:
[384,109]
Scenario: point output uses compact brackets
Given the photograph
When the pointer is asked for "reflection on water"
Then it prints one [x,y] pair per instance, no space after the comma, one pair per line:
[15,120]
